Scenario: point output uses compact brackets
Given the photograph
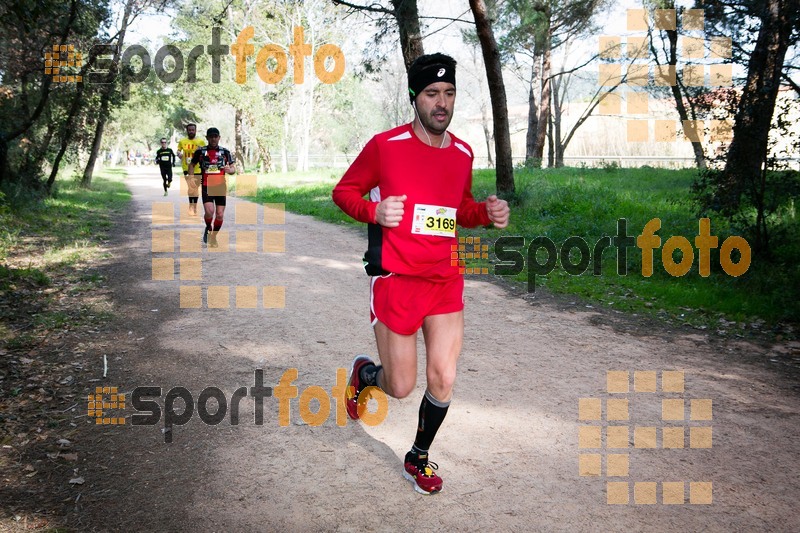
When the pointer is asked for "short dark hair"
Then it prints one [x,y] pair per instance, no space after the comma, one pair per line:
[163,139]
[191,124]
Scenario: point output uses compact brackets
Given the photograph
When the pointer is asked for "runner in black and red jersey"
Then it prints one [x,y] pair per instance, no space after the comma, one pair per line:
[166,160]
[215,161]
[419,180]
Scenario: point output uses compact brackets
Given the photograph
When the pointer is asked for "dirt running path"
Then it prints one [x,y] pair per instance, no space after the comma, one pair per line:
[508,451]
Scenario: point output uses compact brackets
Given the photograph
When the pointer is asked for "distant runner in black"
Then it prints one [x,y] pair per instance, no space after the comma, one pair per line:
[166,160]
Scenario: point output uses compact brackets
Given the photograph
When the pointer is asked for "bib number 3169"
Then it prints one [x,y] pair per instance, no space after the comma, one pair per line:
[434,220]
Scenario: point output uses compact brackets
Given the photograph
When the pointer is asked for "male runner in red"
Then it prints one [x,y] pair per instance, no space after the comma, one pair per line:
[214,161]
[419,180]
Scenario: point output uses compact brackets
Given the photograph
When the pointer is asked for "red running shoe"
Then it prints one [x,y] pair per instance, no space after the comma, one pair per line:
[420,472]
[354,386]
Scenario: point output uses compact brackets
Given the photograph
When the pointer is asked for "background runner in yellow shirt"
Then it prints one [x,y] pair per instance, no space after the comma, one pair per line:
[186,149]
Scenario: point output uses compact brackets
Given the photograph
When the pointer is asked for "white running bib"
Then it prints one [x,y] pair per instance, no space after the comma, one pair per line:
[434,220]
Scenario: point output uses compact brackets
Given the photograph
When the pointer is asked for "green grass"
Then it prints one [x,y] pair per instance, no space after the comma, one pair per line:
[308,193]
[47,250]
[560,203]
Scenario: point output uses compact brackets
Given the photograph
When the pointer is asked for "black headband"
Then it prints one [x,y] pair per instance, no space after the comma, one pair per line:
[428,75]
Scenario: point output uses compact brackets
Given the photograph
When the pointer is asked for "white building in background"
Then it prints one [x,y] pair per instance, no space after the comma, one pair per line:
[619,137]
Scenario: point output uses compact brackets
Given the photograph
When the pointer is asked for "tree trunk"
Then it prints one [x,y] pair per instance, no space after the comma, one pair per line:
[544,100]
[497,91]
[677,94]
[105,99]
[35,157]
[533,110]
[88,172]
[743,168]
[487,135]
[238,126]
[558,146]
[66,136]
[285,144]
[551,153]
[407,16]
[533,125]
[264,155]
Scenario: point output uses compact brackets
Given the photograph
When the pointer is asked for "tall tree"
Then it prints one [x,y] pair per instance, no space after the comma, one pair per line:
[28,29]
[532,31]
[107,93]
[762,31]
[666,55]
[747,152]
[504,169]
[406,15]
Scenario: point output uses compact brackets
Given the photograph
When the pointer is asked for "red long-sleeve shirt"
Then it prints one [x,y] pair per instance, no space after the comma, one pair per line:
[396,163]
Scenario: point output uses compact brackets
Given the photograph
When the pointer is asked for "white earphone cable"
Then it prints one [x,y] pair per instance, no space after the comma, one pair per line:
[430,143]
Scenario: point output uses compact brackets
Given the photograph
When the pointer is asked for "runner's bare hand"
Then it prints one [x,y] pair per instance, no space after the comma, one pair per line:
[390,211]
[498,211]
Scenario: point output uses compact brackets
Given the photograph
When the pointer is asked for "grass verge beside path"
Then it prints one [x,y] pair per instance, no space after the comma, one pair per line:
[53,303]
[587,203]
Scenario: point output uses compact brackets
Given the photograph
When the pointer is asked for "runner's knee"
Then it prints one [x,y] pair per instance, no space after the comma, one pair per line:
[398,386]
[440,381]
